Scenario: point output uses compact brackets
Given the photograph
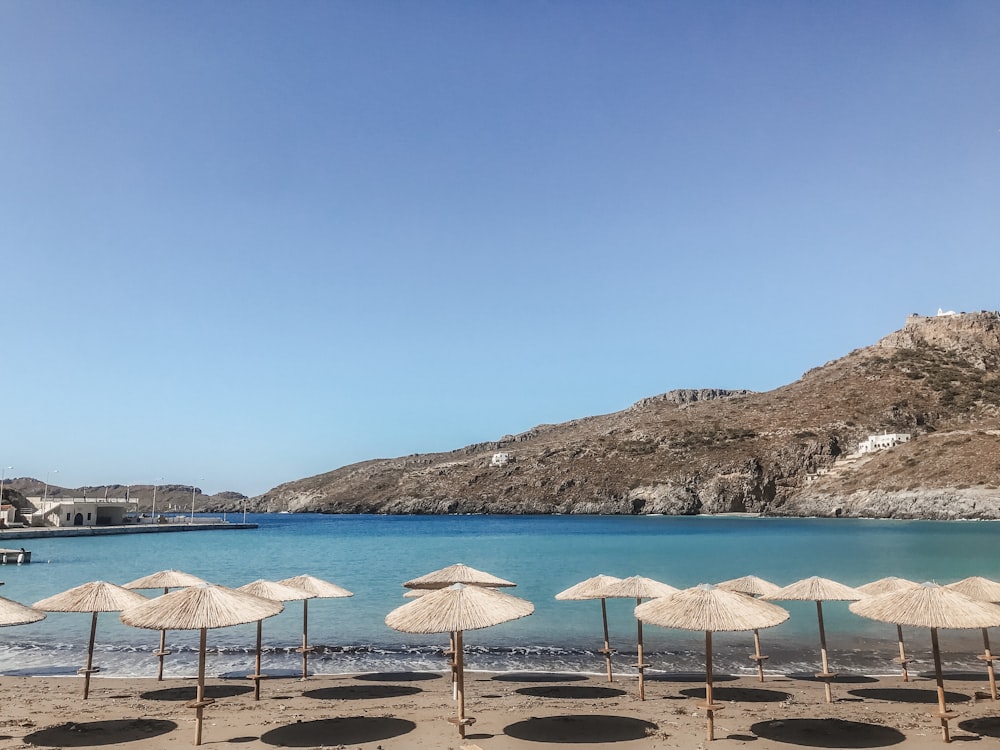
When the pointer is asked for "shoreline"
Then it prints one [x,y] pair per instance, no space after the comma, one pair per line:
[513,711]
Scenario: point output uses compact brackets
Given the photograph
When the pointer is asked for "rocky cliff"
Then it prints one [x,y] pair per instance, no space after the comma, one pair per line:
[786,451]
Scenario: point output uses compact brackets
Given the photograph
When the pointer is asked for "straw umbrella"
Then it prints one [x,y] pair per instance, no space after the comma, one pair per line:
[454,610]
[819,590]
[931,606]
[199,608]
[709,608]
[319,589]
[449,576]
[15,613]
[752,586]
[594,588]
[166,580]
[885,586]
[457,573]
[984,590]
[276,592]
[93,597]
[639,588]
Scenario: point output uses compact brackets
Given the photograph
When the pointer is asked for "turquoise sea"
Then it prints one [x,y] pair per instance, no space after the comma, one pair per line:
[373,555]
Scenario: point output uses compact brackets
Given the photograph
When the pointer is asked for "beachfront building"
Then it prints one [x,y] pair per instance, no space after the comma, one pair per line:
[77,511]
[882,442]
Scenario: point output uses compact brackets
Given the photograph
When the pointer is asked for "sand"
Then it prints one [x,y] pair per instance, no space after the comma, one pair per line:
[513,711]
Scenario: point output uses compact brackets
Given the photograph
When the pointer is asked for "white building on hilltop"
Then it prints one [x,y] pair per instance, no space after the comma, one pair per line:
[882,442]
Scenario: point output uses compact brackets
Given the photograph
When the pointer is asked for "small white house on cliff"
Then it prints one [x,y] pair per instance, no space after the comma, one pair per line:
[882,442]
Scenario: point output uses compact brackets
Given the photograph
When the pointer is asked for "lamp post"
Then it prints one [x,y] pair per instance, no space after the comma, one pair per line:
[193,488]
[49,473]
[158,479]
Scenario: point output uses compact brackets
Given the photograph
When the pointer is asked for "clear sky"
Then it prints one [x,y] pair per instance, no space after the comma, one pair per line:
[246,242]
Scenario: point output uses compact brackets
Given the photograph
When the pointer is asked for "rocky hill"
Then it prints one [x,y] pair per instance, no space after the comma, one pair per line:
[786,451]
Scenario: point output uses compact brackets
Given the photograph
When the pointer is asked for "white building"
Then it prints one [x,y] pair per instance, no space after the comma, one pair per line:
[78,511]
[882,442]
[501,459]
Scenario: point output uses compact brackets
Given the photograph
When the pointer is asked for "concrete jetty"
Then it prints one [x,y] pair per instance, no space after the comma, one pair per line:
[50,532]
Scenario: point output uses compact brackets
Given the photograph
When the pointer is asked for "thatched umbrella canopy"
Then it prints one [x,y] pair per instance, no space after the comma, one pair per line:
[752,586]
[94,597]
[639,588]
[709,608]
[276,592]
[14,613]
[594,588]
[319,589]
[166,580]
[200,608]
[885,586]
[935,607]
[819,590]
[457,573]
[454,610]
[985,590]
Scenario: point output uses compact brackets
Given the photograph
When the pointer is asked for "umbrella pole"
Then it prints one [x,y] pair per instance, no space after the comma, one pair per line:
[641,666]
[90,658]
[256,672]
[460,681]
[756,655]
[710,706]
[607,643]
[163,647]
[160,654]
[825,675]
[943,713]
[988,658]
[902,653]
[305,636]
[454,665]
[200,695]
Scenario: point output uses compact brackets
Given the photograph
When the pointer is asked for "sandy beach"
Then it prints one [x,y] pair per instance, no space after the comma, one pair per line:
[513,712]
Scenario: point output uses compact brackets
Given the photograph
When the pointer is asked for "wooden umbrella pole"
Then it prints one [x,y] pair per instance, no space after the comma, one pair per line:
[161,653]
[453,664]
[709,710]
[200,694]
[641,666]
[460,681]
[305,636]
[825,676]
[90,657]
[163,647]
[607,641]
[943,714]
[988,658]
[256,671]
[757,655]
[902,653]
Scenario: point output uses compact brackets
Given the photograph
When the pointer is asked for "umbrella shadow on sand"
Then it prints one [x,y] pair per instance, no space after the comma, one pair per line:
[985,726]
[538,677]
[95,733]
[580,729]
[827,733]
[574,692]
[839,679]
[689,677]
[907,695]
[742,694]
[349,730]
[190,692]
[398,676]
[361,692]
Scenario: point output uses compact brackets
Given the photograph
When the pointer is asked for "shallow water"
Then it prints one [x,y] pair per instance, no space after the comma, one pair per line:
[373,555]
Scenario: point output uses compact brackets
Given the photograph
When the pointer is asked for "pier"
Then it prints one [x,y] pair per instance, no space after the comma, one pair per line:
[50,532]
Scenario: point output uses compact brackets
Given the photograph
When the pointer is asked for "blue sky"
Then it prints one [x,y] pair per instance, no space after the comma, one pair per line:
[243,243]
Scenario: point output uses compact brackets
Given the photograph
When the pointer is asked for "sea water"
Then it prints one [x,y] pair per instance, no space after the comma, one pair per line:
[373,555]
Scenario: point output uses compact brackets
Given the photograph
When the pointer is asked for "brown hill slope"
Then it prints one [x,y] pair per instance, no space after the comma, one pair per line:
[785,451]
